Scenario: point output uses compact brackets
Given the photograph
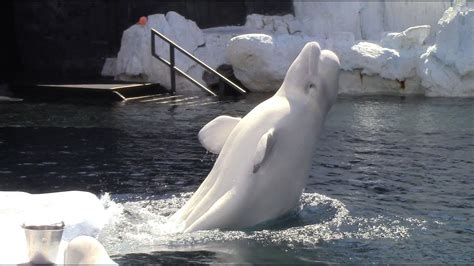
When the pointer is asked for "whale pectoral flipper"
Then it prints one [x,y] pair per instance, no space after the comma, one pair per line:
[214,134]
[264,148]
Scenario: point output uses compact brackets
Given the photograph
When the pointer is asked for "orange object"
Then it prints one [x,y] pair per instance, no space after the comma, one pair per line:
[142,21]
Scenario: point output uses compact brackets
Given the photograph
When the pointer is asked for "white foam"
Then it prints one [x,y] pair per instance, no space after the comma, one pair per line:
[82,212]
[142,227]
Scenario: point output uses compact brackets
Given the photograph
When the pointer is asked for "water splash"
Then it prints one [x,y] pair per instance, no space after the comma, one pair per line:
[141,226]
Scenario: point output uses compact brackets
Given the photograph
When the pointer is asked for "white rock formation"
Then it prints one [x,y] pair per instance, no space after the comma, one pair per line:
[399,15]
[213,52]
[374,59]
[383,47]
[447,67]
[286,24]
[320,18]
[134,58]
[366,19]
[260,61]
[398,63]
[395,57]
[135,63]
[110,67]
[413,37]
[355,83]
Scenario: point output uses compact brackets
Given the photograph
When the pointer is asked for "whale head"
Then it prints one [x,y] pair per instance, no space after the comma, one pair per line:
[313,76]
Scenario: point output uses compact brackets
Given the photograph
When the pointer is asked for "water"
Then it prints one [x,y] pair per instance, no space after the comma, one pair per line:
[392,179]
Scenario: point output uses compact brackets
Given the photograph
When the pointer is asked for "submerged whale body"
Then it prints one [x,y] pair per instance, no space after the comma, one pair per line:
[265,157]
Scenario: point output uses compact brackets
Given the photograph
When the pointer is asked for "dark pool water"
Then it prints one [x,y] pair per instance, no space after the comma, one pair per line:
[392,179]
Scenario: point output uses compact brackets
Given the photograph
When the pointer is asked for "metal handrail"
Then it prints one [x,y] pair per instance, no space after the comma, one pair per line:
[174,69]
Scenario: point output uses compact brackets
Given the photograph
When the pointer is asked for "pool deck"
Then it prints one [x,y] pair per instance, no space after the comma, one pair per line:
[109,92]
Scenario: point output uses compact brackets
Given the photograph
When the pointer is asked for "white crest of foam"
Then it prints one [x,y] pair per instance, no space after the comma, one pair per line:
[143,226]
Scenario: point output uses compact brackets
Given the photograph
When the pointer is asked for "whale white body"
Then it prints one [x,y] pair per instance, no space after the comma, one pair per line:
[265,157]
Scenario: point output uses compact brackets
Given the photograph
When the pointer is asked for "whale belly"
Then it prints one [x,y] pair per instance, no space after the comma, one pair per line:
[282,181]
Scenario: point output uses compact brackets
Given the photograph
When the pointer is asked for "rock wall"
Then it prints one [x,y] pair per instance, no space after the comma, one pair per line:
[260,61]
[447,67]
[434,60]
[64,39]
[134,60]
[367,20]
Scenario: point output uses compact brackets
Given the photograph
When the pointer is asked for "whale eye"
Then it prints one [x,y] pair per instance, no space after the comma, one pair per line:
[309,87]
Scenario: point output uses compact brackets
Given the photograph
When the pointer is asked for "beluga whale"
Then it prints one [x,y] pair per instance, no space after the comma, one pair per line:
[264,158]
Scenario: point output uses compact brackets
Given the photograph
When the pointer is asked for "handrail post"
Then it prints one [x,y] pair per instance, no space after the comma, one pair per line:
[172,65]
[153,44]
[221,89]
[172,71]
